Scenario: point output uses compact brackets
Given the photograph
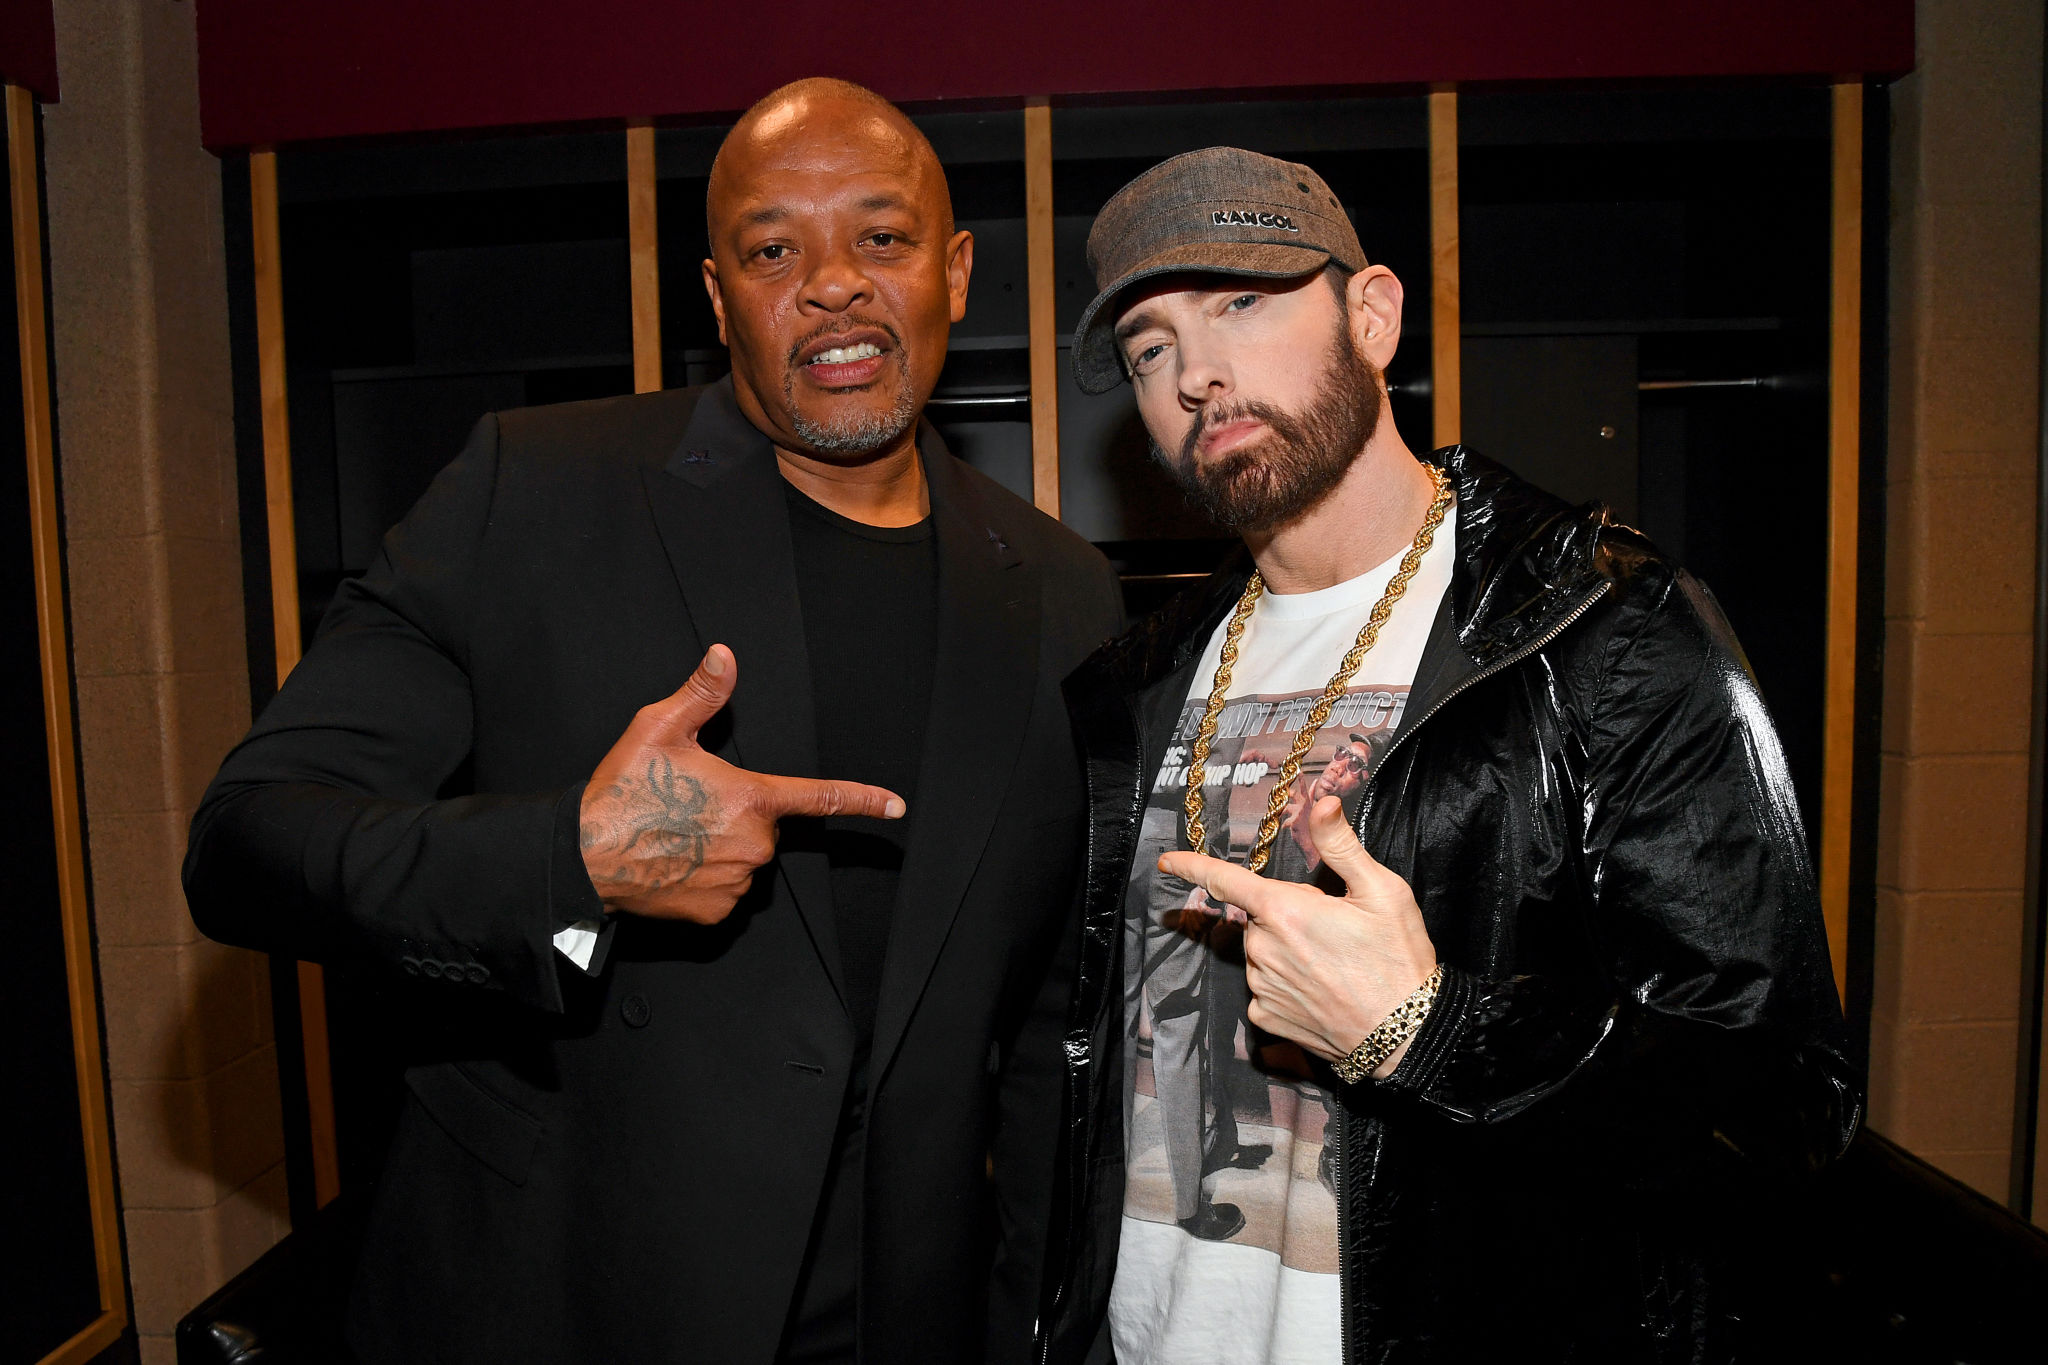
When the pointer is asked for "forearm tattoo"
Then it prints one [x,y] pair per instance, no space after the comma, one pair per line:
[663,817]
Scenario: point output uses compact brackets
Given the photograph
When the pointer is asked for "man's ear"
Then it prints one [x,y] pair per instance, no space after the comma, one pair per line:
[717,299]
[1372,303]
[959,267]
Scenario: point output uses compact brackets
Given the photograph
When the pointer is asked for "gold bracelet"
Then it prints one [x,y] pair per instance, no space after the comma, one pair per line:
[1386,1038]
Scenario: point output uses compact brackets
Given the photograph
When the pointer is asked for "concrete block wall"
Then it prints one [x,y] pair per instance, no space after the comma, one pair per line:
[146,449]
[1964,432]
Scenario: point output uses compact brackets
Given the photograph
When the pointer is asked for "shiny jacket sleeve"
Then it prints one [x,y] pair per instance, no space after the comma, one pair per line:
[1714,993]
[325,836]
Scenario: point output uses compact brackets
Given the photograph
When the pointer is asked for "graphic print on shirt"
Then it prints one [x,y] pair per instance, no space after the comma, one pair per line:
[1225,1120]
[1227,1249]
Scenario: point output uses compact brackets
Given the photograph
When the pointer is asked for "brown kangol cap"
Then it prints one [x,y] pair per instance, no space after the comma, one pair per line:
[1221,210]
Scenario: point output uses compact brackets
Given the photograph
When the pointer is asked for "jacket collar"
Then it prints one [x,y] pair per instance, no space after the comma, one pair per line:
[1524,560]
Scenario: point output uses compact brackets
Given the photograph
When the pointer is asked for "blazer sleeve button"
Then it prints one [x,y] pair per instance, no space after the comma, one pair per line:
[476,973]
[635,1011]
[411,965]
[430,969]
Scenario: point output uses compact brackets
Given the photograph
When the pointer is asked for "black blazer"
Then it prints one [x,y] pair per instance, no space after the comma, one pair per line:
[624,1165]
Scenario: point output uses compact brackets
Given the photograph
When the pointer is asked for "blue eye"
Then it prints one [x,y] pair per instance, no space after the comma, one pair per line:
[1242,301]
[1145,359]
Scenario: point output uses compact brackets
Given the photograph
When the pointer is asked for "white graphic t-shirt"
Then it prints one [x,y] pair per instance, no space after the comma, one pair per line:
[1228,1253]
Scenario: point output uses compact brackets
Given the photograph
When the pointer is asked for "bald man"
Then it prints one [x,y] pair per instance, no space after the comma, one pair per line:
[693,768]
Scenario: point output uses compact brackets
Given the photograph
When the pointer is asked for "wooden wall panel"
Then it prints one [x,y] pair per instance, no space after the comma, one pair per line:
[284,608]
[1045,372]
[1845,455]
[1446,341]
[53,644]
[643,249]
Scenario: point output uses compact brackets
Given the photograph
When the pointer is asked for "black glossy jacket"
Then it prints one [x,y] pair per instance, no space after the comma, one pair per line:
[1638,1032]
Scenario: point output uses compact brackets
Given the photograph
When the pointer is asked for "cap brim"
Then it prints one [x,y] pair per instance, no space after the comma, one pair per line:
[1097,369]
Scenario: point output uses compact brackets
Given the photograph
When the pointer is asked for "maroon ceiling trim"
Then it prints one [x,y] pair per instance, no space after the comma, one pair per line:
[276,73]
[28,47]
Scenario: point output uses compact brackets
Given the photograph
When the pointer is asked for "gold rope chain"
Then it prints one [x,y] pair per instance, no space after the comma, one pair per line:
[1269,827]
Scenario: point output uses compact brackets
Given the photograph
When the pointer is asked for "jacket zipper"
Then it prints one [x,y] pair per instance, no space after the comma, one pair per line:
[1401,736]
[1339,1113]
[1078,1160]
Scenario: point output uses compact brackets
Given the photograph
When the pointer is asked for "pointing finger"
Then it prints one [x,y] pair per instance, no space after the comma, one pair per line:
[679,717]
[823,796]
[1338,844]
[1246,890]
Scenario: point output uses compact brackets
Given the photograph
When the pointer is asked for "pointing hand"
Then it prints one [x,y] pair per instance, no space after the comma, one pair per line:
[1323,970]
[672,831]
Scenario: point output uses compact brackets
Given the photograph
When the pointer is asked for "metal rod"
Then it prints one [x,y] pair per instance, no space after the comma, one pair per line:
[1660,385]
[993,400]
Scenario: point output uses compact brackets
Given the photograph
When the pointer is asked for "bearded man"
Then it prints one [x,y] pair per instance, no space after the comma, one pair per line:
[1552,998]
[680,1094]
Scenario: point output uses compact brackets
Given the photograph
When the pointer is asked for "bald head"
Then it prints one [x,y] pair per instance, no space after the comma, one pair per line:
[811,121]
[836,271]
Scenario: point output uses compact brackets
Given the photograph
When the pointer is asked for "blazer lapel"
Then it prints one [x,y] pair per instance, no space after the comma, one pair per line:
[983,678]
[720,507]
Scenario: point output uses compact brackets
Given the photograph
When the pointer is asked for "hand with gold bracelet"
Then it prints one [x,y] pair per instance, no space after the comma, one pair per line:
[1324,971]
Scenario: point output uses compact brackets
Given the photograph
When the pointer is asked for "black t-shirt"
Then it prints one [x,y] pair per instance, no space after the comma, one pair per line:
[870,604]
[869,596]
